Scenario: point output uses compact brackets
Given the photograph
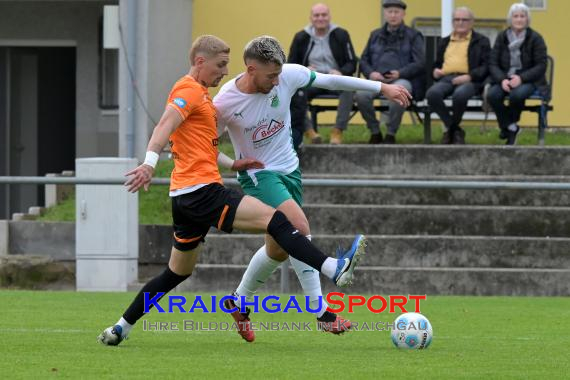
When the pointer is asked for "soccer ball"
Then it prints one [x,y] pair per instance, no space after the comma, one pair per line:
[412,331]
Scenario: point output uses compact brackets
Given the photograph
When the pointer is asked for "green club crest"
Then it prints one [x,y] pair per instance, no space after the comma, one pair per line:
[274,101]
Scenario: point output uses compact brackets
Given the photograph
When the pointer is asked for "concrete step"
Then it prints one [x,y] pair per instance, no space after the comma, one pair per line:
[400,251]
[392,281]
[409,196]
[429,160]
[463,281]
[439,220]
[57,240]
[379,196]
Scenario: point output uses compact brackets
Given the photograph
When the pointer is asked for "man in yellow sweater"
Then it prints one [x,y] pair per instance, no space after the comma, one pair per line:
[460,67]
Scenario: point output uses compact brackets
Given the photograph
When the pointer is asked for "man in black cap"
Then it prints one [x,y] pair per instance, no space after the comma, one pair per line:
[394,3]
[395,54]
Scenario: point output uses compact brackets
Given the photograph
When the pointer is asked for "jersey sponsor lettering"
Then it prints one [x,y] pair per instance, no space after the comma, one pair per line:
[259,124]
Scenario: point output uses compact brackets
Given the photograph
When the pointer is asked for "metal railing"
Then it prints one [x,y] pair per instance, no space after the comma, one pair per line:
[399,184]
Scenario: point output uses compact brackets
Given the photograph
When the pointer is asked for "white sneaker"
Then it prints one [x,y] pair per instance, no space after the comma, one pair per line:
[111,336]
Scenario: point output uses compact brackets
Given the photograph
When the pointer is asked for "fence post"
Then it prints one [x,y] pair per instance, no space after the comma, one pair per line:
[106,229]
[4,236]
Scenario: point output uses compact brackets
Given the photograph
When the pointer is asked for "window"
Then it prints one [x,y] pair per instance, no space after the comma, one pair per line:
[108,74]
[536,4]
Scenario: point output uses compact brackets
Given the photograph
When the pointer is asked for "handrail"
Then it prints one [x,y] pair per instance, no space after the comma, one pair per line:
[400,184]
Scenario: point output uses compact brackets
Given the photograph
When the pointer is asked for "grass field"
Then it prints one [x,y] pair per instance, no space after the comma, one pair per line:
[53,334]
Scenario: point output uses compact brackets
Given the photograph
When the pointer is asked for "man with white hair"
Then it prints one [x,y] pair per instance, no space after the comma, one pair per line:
[254,107]
[460,68]
[517,65]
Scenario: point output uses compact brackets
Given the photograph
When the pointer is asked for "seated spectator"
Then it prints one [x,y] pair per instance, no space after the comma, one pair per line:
[325,48]
[395,54]
[517,66]
[460,67]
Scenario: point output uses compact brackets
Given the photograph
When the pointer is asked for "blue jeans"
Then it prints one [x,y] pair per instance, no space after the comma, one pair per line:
[511,114]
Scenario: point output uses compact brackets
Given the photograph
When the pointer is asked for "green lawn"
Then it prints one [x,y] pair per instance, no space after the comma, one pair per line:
[414,134]
[53,334]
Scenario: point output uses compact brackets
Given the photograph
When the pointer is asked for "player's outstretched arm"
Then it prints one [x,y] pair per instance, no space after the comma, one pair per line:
[393,92]
[396,93]
[142,174]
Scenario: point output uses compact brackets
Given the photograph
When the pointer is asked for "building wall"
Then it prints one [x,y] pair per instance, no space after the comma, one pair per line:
[163,39]
[239,21]
[22,22]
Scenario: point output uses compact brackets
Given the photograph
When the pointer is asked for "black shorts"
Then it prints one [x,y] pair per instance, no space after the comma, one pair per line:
[194,213]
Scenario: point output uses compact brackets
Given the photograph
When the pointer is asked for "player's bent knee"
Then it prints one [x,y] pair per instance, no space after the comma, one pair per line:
[188,251]
[253,214]
[187,246]
[183,262]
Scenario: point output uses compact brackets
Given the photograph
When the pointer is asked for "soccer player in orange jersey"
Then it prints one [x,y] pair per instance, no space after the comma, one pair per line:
[199,199]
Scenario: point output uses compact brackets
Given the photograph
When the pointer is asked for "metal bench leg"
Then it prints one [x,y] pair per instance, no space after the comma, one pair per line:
[541,124]
[413,117]
[427,126]
[314,114]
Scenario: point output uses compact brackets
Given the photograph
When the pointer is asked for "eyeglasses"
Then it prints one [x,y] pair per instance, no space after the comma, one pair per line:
[462,20]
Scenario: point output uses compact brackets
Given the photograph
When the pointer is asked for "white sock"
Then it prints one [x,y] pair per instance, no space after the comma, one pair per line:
[311,284]
[126,326]
[329,267]
[258,271]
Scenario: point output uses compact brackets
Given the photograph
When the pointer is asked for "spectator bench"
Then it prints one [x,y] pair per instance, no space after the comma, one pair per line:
[539,102]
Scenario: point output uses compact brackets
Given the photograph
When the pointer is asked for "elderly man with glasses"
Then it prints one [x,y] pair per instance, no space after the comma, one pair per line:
[460,68]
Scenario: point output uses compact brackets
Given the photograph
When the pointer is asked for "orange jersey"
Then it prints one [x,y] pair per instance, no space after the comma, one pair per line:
[194,144]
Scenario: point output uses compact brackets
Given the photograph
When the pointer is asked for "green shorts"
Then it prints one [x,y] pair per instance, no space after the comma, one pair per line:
[273,188]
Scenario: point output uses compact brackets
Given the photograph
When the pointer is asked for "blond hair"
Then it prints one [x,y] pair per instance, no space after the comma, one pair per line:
[209,46]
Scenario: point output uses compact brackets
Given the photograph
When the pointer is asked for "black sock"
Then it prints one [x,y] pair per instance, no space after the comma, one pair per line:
[294,243]
[327,317]
[164,282]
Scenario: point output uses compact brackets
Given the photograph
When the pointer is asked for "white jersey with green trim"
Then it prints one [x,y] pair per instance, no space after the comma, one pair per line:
[259,124]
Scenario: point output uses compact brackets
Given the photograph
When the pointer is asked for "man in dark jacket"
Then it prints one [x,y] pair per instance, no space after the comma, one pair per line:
[517,66]
[325,48]
[460,68]
[395,54]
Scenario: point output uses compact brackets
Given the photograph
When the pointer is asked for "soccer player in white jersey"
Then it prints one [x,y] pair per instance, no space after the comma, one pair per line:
[254,107]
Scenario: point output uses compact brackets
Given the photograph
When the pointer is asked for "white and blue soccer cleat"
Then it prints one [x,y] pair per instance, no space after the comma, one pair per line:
[348,260]
[111,336]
